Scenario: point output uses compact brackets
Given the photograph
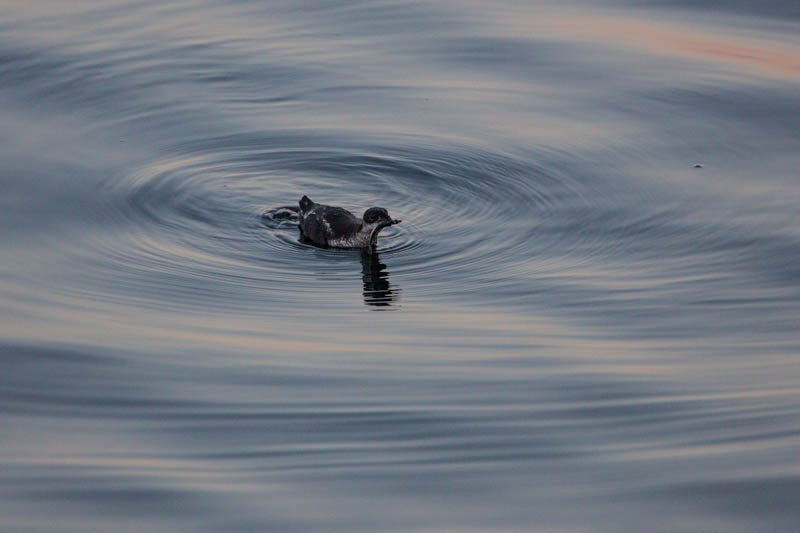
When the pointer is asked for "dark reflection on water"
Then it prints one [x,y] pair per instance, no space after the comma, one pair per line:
[588,333]
[378,291]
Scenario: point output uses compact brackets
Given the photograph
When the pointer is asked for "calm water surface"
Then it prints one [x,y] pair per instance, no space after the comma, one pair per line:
[574,328]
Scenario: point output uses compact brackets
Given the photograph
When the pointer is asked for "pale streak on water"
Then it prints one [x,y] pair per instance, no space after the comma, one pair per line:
[578,330]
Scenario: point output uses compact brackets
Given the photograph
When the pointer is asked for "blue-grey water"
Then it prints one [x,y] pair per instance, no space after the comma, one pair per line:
[589,319]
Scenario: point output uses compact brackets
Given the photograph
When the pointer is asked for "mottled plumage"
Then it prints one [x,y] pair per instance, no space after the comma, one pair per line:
[326,225]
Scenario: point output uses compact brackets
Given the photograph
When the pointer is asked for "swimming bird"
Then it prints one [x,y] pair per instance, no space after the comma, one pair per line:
[337,227]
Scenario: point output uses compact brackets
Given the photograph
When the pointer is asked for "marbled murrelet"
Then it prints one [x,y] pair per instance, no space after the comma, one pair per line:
[337,227]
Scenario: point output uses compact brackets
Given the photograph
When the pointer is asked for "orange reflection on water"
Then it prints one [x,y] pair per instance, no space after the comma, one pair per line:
[664,37]
[696,43]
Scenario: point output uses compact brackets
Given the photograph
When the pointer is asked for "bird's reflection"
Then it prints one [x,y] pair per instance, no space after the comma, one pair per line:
[378,291]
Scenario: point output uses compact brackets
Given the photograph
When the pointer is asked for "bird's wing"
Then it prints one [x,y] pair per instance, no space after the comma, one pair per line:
[341,221]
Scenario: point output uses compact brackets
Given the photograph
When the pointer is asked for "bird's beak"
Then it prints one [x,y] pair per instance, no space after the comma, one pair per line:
[387,223]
